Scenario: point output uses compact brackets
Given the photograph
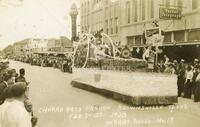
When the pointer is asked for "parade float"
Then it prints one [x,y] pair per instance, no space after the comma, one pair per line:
[99,67]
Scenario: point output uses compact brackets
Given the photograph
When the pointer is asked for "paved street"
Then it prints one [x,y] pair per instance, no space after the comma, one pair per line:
[57,104]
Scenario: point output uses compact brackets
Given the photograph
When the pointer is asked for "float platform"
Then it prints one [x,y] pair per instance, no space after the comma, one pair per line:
[134,88]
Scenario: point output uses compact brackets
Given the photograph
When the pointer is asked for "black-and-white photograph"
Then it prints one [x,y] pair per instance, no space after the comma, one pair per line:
[99,63]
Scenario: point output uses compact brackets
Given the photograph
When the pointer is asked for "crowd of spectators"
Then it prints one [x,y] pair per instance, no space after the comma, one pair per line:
[64,63]
[15,106]
[188,76]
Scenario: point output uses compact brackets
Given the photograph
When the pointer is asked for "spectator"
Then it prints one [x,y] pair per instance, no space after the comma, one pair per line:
[13,74]
[188,82]
[175,65]
[7,80]
[161,66]
[166,60]
[169,69]
[195,73]
[13,113]
[181,77]
[21,77]
[146,54]
[196,62]
[197,88]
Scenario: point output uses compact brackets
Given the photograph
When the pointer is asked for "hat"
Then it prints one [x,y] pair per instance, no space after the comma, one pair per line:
[196,60]
[182,60]
[174,61]
[6,77]
[11,71]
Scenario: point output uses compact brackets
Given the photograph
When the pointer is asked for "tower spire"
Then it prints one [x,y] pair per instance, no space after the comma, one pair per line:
[73,14]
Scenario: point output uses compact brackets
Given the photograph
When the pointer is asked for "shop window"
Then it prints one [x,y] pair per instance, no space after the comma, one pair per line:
[179,36]
[137,40]
[130,41]
[193,35]
[167,37]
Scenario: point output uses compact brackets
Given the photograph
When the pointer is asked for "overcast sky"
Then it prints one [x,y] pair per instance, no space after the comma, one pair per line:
[21,19]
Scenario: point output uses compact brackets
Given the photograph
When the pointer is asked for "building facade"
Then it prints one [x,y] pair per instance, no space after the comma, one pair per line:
[63,44]
[126,20]
[97,15]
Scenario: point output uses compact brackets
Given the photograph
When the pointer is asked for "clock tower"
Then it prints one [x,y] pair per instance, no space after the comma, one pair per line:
[73,14]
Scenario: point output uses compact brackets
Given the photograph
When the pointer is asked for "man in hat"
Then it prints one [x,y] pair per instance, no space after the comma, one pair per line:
[13,112]
[21,77]
[196,63]
[181,77]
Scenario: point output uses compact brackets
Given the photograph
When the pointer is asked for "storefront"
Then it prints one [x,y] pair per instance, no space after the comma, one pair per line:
[186,52]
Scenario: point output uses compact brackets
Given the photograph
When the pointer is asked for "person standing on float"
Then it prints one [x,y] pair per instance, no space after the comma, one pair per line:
[149,56]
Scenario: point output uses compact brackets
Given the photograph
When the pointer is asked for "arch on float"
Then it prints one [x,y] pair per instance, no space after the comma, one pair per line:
[88,46]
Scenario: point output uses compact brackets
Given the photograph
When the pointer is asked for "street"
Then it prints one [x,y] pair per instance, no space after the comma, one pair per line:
[56,103]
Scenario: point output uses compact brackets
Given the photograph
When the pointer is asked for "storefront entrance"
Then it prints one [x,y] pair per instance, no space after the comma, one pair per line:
[186,52]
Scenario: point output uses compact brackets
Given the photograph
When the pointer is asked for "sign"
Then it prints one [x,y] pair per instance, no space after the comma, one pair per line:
[153,36]
[152,31]
[169,13]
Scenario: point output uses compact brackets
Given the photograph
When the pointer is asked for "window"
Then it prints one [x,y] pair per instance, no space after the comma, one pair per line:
[195,4]
[107,12]
[128,12]
[112,11]
[180,4]
[116,25]
[130,41]
[194,35]
[135,10]
[138,40]
[152,9]
[111,26]
[143,9]
[116,10]
[106,26]
[179,36]
[167,3]
[88,6]
[167,37]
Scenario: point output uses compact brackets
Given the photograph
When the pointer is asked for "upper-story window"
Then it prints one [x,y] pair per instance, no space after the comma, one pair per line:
[151,9]
[167,3]
[195,4]
[116,25]
[128,12]
[143,8]
[135,7]
[107,26]
[111,26]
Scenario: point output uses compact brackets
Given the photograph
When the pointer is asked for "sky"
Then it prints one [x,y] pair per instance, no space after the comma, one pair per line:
[20,19]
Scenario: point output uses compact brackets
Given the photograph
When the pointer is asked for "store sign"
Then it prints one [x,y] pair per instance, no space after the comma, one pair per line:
[170,13]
